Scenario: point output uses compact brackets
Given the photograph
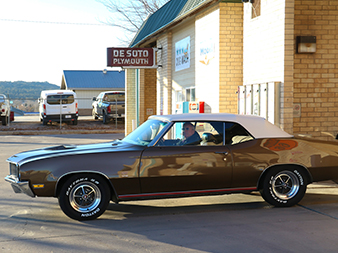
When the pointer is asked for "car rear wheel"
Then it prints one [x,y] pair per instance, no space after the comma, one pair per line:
[105,118]
[84,197]
[94,114]
[5,120]
[284,187]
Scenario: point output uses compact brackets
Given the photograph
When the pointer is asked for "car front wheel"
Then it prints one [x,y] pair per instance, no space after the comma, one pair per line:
[284,187]
[84,197]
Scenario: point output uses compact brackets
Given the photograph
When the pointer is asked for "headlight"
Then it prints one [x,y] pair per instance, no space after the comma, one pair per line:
[14,169]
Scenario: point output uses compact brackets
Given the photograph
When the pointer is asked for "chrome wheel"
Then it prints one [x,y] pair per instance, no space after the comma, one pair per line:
[85,197]
[285,185]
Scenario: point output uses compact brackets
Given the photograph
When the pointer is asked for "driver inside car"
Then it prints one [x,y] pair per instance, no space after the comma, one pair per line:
[191,137]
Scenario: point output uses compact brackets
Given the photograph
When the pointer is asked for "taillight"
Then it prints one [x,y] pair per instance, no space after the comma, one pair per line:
[44,109]
[76,108]
[109,109]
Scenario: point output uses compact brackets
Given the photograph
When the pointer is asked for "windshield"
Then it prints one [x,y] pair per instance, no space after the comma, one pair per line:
[145,133]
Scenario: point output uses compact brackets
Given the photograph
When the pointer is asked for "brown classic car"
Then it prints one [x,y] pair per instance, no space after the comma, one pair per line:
[177,156]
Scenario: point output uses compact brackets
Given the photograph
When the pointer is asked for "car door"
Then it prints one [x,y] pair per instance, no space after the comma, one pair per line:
[171,167]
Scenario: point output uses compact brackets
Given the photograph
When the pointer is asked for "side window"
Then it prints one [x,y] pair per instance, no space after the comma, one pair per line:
[55,99]
[117,96]
[235,134]
[99,97]
[105,97]
[194,133]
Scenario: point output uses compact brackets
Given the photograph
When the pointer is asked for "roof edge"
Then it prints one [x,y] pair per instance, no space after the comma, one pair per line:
[177,19]
[90,89]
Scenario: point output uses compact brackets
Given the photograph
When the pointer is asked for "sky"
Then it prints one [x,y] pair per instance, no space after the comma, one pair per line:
[41,38]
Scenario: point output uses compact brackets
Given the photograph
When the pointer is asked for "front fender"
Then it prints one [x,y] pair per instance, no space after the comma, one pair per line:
[64,178]
[117,167]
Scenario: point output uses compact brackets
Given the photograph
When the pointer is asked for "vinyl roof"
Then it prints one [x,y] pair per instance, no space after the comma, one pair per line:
[257,126]
[93,79]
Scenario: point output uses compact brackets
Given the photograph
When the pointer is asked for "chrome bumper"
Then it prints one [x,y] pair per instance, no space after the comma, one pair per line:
[20,187]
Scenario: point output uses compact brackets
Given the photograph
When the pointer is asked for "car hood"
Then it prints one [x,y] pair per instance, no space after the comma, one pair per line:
[66,150]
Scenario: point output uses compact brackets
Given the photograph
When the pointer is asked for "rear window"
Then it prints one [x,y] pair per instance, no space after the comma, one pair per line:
[111,97]
[65,99]
[2,98]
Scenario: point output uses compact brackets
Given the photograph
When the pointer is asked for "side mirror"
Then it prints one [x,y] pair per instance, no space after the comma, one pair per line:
[94,98]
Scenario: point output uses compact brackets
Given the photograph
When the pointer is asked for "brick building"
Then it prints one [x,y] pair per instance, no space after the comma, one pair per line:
[235,46]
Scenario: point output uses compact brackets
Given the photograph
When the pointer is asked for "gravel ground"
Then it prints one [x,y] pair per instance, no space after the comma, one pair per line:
[83,126]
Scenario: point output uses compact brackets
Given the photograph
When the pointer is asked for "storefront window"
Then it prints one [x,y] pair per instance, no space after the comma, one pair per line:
[190,94]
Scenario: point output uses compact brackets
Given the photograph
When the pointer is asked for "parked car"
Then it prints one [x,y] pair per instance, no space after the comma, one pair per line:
[4,110]
[177,156]
[58,105]
[109,105]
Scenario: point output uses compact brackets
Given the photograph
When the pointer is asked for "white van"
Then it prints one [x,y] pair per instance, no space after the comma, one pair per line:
[56,105]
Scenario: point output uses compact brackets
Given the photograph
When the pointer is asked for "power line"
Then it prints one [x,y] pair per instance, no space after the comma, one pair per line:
[51,22]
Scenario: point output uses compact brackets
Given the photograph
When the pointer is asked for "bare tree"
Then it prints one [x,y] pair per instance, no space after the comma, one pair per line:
[129,15]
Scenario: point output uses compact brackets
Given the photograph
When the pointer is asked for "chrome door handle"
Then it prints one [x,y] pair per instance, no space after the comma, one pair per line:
[224,152]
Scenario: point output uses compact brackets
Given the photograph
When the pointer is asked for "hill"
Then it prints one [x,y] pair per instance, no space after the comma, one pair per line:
[21,90]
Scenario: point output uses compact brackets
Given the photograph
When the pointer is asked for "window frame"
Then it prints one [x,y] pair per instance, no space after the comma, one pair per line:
[256,9]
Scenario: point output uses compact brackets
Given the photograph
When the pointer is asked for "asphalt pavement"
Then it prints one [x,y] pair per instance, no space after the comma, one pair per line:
[229,223]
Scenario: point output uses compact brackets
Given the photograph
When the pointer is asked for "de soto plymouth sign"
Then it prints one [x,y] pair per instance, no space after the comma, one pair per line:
[131,57]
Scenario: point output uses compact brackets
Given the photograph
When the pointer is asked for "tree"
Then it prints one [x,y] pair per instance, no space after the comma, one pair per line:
[129,15]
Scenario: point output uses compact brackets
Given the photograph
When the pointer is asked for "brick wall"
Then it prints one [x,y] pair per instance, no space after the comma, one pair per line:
[147,93]
[286,105]
[231,55]
[316,75]
[147,96]
[130,99]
